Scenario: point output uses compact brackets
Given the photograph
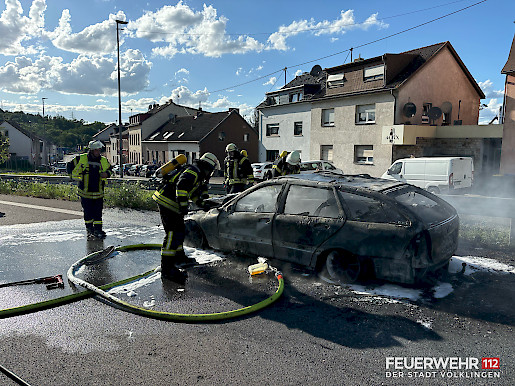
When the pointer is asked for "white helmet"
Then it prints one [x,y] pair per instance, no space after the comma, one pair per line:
[231,147]
[93,145]
[293,158]
[211,159]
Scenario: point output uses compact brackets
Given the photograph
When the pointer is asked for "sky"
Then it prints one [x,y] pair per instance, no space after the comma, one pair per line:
[223,54]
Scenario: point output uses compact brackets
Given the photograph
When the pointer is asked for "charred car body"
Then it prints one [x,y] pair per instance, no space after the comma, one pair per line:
[347,224]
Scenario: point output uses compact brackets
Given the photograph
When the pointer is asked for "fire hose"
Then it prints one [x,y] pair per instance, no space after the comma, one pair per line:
[93,290]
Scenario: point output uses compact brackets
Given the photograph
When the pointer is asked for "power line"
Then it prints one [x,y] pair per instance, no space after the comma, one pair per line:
[358,46]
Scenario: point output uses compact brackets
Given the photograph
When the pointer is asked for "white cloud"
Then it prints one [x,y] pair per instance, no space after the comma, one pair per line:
[186,31]
[100,100]
[182,71]
[490,111]
[16,28]
[271,81]
[93,75]
[94,39]
[298,72]
[277,40]
[487,87]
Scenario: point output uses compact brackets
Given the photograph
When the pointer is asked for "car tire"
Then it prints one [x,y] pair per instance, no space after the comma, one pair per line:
[194,237]
[343,267]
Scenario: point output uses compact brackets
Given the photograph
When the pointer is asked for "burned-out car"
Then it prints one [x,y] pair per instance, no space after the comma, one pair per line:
[346,224]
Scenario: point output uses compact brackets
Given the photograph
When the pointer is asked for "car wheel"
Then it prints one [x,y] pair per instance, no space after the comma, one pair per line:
[344,267]
[433,189]
[194,235]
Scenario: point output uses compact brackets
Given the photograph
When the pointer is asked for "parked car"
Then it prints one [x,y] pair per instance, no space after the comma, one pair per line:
[436,174]
[134,170]
[262,170]
[60,168]
[318,165]
[116,169]
[349,225]
[147,170]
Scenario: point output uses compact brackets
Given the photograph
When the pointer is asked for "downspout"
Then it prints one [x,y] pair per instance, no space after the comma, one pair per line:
[394,114]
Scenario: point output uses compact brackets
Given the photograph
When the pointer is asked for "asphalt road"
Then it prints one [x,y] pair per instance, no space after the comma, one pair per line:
[317,333]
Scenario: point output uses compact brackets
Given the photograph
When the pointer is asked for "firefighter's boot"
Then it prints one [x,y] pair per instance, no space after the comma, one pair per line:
[171,272]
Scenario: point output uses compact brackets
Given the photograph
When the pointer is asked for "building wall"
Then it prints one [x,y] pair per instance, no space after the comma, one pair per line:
[440,80]
[285,116]
[508,137]
[346,134]
[439,147]
[234,127]
[19,143]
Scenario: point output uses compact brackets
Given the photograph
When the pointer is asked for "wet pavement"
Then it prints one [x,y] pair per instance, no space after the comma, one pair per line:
[318,332]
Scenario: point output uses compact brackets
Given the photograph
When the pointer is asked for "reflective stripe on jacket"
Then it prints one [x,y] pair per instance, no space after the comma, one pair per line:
[183,185]
[87,173]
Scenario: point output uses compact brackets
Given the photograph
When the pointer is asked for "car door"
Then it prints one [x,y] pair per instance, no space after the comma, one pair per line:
[310,215]
[246,225]
[373,228]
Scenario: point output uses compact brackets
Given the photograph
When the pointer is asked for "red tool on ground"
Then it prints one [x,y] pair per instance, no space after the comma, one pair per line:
[50,281]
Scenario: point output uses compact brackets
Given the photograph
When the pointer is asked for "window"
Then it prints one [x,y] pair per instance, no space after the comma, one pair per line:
[364,154]
[221,136]
[297,128]
[326,152]
[327,117]
[395,168]
[373,73]
[365,114]
[259,201]
[335,80]
[425,208]
[296,97]
[369,209]
[272,129]
[271,155]
[245,137]
[309,201]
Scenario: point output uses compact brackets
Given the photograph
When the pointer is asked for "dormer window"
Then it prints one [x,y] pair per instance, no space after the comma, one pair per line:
[335,80]
[296,97]
[373,73]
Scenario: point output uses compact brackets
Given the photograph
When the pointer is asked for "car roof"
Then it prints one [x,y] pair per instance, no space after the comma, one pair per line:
[355,181]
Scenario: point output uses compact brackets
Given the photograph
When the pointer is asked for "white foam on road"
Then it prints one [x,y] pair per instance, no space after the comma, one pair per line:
[441,290]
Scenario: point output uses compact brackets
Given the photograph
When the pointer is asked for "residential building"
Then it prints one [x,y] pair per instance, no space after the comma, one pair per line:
[143,124]
[370,112]
[26,146]
[104,134]
[508,138]
[194,135]
[285,116]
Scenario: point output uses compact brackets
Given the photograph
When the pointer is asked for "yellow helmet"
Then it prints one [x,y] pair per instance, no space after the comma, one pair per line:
[244,153]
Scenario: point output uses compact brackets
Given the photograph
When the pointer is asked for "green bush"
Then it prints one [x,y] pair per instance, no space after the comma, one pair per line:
[123,195]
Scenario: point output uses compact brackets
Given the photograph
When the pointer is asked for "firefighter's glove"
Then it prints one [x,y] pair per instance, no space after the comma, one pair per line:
[183,210]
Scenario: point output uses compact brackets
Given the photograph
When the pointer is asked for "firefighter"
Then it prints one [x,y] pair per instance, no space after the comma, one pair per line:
[237,170]
[289,164]
[183,184]
[91,171]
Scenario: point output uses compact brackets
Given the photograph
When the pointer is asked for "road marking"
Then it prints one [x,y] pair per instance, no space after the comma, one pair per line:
[59,210]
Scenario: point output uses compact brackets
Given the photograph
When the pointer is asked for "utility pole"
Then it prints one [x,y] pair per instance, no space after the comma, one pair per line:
[285,68]
[44,131]
[120,126]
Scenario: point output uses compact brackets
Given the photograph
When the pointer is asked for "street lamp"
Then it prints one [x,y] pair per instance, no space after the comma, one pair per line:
[43,99]
[118,22]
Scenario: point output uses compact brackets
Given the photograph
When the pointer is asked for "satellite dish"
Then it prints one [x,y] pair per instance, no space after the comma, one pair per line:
[446,107]
[434,113]
[409,109]
[316,70]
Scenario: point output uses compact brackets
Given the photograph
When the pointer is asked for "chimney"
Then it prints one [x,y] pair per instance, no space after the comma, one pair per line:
[358,59]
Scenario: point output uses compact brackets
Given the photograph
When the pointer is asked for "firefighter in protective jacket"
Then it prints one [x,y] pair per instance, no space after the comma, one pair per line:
[185,183]
[91,171]
[289,164]
[237,170]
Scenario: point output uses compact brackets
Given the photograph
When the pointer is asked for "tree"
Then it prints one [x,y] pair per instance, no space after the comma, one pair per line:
[4,148]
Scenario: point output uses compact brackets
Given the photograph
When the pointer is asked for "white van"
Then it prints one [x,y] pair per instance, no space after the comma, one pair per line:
[435,174]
